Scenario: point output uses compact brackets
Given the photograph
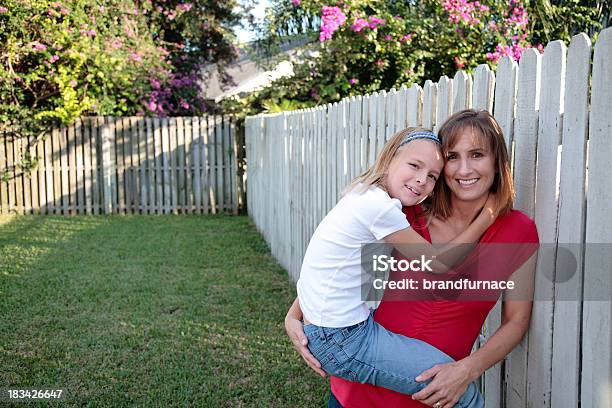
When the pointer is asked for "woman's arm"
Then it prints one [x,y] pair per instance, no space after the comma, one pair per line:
[451,380]
[412,245]
[295,331]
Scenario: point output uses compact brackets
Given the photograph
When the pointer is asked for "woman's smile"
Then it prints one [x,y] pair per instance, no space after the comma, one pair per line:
[467,183]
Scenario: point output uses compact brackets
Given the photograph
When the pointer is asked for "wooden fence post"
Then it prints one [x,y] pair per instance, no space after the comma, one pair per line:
[597,310]
[107,168]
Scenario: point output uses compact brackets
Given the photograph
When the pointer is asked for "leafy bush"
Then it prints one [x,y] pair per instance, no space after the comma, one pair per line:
[60,59]
[368,45]
[63,59]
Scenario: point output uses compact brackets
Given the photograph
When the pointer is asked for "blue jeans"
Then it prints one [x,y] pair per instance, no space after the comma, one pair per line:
[333,401]
[368,353]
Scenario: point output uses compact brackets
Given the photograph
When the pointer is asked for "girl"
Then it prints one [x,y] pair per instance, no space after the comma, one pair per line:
[340,329]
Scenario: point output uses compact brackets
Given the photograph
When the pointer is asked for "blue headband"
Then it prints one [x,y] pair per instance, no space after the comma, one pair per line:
[420,135]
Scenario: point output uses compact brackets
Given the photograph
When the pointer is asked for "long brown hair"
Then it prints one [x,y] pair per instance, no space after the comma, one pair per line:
[374,176]
[487,128]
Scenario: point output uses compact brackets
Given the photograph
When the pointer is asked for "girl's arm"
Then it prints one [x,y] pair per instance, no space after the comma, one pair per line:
[295,331]
[412,245]
[451,380]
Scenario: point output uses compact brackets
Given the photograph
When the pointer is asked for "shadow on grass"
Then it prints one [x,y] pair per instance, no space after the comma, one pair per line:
[148,310]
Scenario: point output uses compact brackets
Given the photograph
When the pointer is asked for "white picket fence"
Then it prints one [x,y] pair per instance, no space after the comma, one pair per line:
[556,113]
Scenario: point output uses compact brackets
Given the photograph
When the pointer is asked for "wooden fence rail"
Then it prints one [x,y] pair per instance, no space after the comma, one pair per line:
[126,165]
[557,120]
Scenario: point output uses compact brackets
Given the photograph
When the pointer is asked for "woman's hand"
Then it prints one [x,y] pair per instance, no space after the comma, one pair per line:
[295,331]
[449,383]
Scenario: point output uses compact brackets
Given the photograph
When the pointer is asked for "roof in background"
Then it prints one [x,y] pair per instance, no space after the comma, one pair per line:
[248,75]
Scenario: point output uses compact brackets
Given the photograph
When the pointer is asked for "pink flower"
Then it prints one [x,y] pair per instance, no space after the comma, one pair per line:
[493,56]
[353,81]
[91,33]
[152,106]
[331,21]
[296,3]
[136,57]
[359,25]
[117,43]
[463,11]
[184,104]
[388,37]
[3,9]
[375,22]
[518,15]
[54,58]
[185,7]
[405,38]
[38,46]
[513,51]
[459,63]
[72,83]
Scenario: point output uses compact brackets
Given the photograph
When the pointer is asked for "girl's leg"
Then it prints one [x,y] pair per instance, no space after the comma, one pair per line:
[333,401]
[393,361]
[369,353]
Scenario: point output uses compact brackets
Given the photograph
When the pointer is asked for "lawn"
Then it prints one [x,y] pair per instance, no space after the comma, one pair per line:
[148,311]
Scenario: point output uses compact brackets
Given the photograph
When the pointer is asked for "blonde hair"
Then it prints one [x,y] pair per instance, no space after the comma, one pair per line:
[374,176]
[488,130]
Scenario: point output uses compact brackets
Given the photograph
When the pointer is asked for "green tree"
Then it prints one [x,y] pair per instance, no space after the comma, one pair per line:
[60,60]
[367,45]
[63,59]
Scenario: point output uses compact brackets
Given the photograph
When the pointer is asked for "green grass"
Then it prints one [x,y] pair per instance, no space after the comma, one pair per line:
[148,311]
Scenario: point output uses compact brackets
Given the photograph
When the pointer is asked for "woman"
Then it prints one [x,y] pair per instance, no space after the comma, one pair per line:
[476,164]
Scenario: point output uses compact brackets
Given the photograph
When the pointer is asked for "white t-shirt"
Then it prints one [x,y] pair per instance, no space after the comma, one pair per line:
[329,288]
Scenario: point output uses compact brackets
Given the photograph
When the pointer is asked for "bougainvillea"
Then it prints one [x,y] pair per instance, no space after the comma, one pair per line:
[61,59]
[370,45]
[331,20]
[195,33]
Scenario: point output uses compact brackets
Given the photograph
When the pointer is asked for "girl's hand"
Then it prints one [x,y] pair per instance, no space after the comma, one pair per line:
[295,331]
[492,206]
[449,383]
